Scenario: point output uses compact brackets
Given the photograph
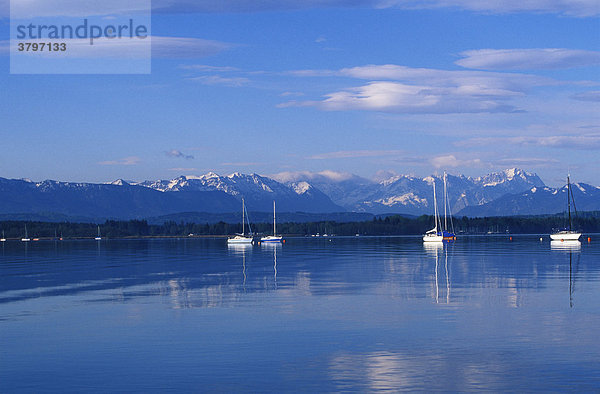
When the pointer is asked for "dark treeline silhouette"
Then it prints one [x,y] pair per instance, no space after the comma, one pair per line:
[391,225]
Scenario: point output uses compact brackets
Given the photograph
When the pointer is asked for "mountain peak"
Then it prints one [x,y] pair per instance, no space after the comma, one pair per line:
[235,175]
[301,187]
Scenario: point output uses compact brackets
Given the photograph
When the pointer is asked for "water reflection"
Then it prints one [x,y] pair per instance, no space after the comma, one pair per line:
[241,250]
[565,245]
[573,275]
[427,370]
[208,273]
[438,251]
[274,247]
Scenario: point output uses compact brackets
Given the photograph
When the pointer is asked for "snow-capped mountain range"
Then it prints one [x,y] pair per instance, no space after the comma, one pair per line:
[413,195]
[509,192]
[258,191]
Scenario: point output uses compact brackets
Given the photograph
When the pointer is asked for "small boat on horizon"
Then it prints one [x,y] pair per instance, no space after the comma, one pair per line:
[242,238]
[3,239]
[98,238]
[273,238]
[567,234]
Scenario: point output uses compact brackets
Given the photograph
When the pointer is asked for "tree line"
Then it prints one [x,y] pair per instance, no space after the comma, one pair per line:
[390,225]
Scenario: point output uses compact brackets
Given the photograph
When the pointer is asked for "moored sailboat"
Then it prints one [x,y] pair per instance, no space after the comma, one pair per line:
[26,238]
[242,238]
[446,233]
[273,238]
[98,238]
[434,235]
[567,234]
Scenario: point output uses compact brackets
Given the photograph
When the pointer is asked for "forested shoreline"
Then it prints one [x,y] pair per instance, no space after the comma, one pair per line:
[390,225]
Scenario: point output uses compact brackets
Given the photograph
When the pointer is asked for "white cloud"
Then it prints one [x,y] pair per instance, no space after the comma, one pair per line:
[178,154]
[346,154]
[487,82]
[401,98]
[589,141]
[526,162]
[295,176]
[587,96]
[400,89]
[291,94]
[445,161]
[219,80]
[183,169]
[203,67]
[127,161]
[240,164]
[185,47]
[528,59]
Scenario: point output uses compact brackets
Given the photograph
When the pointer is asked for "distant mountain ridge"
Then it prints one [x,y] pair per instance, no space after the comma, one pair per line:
[412,195]
[538,201]
[258,191]
[509,192]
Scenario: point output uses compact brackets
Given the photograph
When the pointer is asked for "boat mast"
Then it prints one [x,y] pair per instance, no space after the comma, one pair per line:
[569,201]
[243,218]
[435,207]
[445,222]
[26,232]
[274,231]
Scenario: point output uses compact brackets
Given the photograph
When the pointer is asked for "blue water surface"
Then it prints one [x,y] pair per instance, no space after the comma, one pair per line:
[337,314]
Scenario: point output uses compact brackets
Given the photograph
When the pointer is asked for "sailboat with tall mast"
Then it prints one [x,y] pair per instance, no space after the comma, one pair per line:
[273,238]
[446,233]
[434,235]
[242,238]
[3,239]
[26,238]
[567,234]
[98,237]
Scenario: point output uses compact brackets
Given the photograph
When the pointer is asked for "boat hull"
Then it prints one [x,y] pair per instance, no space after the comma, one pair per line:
[565,236]
[433,238]
[271,239]
[448,236]
[239,240]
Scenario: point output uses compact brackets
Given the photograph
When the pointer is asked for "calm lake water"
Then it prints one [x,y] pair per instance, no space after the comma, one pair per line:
[358,314]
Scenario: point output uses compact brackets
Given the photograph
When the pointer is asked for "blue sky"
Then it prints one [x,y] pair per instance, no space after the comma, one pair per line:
[356,86]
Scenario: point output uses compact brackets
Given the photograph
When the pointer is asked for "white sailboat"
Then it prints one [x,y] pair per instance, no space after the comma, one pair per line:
[567,234]
[3,239]
[434,235]
[98,238]
[446,233]
[26,238]
[242,238]
[272,238]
